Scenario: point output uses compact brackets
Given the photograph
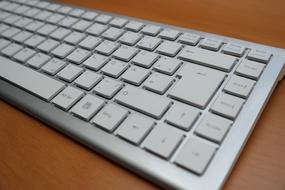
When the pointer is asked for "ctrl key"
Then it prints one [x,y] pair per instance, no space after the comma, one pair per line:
[195,155]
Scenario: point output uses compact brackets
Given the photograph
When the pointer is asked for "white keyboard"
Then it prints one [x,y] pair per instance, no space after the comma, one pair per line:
[173,105]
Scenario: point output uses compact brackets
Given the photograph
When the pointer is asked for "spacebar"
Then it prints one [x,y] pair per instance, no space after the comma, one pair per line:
[28,79]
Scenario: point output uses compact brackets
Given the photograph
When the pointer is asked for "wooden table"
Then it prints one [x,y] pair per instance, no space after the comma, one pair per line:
[33,156]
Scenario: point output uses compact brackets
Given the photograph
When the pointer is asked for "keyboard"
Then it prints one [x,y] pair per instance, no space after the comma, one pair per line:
[174,105]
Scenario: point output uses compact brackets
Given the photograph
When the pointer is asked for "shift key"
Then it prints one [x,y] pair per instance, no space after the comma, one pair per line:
[143,101]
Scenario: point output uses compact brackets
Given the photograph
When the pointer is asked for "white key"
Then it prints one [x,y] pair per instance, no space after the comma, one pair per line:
[88,80]
[89,15]
[42,4]
[31,12]
[76,12]
[22,36]
[32,2]
[43,15]
[3,27]
[158,83]
[90,42]
[10,32]
[145,59]
[239,86]
[34,41]
[189,39]
[3,43]
[110,117]
[47,29]
[197,85]
[66,98]
[24,54]
[213,127]
[114,68]
[149,43]
[53,66]
[134,26]
[234,49]
[54,18]
[44,87]
[60,33]
[107,47]
[62,50]
[4,15]
[21,9]
[74,37]
[169,34]
[135,75]
[11,19]
[135,128]
[23,22]
[78,55]
[82,25]
[64,9]
[104,19]
[195,155]
[182,116]
[169,48]
[227,105]
[259,55]
[87,107]
[70,72]
[112,33]
[11,7]
[53,7]
[38,60]
[118,22]
[48,45]
[130,38]
[151,30]
[211,44]
[108,87]
[167,65]
[68,21]
[250,69]
[95,62]
[11,49]
[125,53]
[143,101]
[163,140]
[208,58]
[34,26]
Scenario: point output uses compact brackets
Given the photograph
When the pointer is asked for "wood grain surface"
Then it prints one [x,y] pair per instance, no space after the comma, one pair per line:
[34,156]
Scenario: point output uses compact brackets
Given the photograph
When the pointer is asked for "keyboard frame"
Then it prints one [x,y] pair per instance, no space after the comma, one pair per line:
[142,162]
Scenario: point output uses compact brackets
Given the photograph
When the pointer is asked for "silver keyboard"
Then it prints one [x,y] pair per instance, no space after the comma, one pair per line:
[171,104]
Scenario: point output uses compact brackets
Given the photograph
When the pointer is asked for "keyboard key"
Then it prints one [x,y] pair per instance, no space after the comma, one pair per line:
[53,66]
[134,26]
[89,15]
[24,54]
[88,79]
[135,75]
[239,86]
[53,7]
[143,101]
[108,87]
[208,58]
[60,33]
[87,107]
[211,44]
[95,62]
[135,128]
[34,26]
[62,50]
[22,36]
[250,69]
[23,22]
[3,43]
[118,22]
[169,48]
[189,39]
[158,83]
[96,29]
[90,42]
[38,60]
[11,49]
[114,68]
[145,59]
[9,33]
[112,33]
[107,47]
[163,140]
[182,116]
[70,72]
[149,43]
[68,21]
[25,78]
[31,12]
[195,155]
[227,105]
[213,127]
[54,18]
[234,49]
[151,30]
[169,34]
[81,25]
[197,85]
[48,45]
[76,12]
[74,38]
[66,98]
[78,55]
[125,53]
[34,41]
[44,15]
[167,65]
[262,56]
[47,29]
[104,19]
[64,9]
[130,38]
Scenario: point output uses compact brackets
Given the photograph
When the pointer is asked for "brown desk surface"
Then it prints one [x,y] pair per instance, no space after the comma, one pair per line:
[33,156]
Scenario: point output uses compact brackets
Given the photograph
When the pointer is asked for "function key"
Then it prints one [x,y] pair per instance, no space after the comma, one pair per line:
[118,22]
[259,55]
[250,69]
[189,39]
[104,19]
[134,26]
[211,44]
[169,34]
[152,30]
[234,49]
